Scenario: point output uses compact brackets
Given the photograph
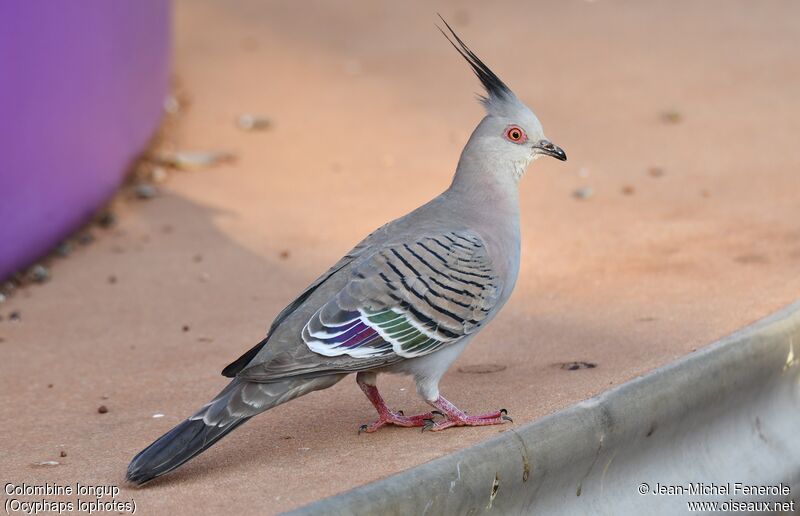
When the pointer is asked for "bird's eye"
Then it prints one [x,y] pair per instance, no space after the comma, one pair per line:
[515,134]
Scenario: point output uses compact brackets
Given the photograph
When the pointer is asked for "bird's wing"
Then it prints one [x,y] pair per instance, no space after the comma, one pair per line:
[235,367]
[408,299]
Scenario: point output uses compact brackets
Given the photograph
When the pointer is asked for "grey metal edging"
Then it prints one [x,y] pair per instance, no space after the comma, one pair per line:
[727,413]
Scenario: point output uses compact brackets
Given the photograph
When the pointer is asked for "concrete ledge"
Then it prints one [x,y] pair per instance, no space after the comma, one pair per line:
[727,413]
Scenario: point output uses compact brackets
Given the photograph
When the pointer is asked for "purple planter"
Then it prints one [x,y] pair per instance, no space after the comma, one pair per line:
[82,86]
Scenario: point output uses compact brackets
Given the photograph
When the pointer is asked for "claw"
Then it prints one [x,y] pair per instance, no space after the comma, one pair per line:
[503,411]
[507,418]
[437,413]
[400,412]
[362,428]
[428,424]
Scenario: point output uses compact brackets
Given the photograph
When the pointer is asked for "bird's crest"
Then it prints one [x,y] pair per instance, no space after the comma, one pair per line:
[498,95]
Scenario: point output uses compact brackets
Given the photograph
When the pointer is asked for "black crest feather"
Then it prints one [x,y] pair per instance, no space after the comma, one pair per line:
[495,88]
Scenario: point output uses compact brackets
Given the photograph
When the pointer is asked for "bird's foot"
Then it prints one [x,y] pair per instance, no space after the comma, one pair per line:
[456,417]
[399,419]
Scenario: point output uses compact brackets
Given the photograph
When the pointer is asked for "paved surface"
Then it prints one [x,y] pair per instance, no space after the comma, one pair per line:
[371,108]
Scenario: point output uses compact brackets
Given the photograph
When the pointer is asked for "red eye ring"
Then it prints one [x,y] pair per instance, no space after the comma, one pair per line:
[515,134]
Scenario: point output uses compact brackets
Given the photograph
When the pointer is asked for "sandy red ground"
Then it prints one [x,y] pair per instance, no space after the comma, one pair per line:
[371,108]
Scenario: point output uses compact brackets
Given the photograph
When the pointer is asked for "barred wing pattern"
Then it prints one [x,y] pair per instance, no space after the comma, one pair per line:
[408,300]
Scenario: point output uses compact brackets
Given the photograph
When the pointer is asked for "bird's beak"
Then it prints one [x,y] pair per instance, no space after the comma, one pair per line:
[547,148]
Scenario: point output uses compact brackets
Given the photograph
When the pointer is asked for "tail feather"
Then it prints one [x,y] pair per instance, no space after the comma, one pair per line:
[237,403]
[177,446]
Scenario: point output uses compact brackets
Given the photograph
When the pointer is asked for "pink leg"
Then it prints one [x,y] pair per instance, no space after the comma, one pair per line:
[386,416]
[456,417]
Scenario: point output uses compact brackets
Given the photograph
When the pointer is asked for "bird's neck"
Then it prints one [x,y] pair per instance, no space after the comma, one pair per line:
[490,182]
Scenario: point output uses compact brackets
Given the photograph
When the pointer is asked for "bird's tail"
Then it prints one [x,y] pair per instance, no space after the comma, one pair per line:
[237,403]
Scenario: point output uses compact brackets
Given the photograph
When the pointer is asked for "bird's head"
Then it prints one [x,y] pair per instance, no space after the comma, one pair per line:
[510,133]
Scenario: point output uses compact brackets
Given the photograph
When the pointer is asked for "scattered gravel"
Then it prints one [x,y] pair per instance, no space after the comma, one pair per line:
[39,273]
[583,193]
[250,122]
[158,174]
[106,219]
[86,238]
[671,116]
[64,249]
[102,409]
[187,160]
[171,105]
[145,191]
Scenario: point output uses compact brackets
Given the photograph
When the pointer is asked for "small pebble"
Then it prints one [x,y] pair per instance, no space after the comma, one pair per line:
[283,255]
[46,463]
[62,454]
[185,327]
[106,219]
[86,238]
[197,258]
[64,249]
[583,193]
[671,117]
[655,171]
[112,279]
[249,122]
[158,416]
[187,160]
[145,191]
[15,316]
[102,409]
[628,190]
[158,174]
[49,385]
[39,273]
[171,105]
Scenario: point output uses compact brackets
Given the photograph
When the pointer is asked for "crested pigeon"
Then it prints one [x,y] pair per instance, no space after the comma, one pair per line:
[407,299]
